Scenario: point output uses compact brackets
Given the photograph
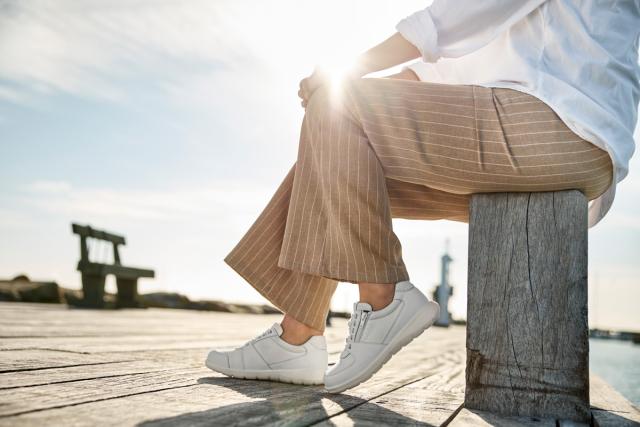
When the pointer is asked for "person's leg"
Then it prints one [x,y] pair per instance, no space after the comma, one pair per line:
[339,222]
[304,298]
[450,139]
[384,142]
[465,139]
[294,349]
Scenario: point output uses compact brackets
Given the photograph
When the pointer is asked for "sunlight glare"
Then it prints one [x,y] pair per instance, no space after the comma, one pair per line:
[336,70]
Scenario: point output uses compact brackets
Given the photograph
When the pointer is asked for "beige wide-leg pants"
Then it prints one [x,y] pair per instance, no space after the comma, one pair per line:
[380,148]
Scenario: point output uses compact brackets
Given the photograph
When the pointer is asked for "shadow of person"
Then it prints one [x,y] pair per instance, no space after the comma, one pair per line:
[279,403]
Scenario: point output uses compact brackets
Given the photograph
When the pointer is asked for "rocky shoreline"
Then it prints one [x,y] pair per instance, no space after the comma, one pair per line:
[22,289]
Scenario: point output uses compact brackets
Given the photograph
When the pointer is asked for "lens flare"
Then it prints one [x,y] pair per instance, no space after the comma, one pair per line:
[335,73]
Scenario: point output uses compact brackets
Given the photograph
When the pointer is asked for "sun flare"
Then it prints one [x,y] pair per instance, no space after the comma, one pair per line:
[336,72]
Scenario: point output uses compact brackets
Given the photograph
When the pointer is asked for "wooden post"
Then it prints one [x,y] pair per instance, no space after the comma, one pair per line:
[116,254]
[93,290]
[127,293]
[527,331]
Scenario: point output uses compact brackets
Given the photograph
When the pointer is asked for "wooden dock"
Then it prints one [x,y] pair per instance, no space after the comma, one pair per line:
[61,366]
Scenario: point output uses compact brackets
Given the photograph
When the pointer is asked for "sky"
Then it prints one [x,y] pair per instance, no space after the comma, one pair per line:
[173,122]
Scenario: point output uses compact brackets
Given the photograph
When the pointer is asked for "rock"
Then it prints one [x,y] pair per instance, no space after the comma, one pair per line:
[268,309]
[40,292]
[176,300]
[21,289]
[164,300]
[6,292]
[209,306]
[72,297]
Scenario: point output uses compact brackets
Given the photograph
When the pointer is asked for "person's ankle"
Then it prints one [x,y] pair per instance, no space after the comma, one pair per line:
[377,295]
[295,332]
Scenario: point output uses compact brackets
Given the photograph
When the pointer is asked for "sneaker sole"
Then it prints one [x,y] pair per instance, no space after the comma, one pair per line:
[420,323]
[290,376]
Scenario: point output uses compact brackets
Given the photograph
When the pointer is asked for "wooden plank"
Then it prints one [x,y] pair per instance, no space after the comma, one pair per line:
[155,362]
[30,399]
[95,268]
[74,393]
[75,373]
[610,408]
[150,375]
[527,336]
[135,343]
[130,343]
[95,331]
[431,400]
[88,231]
[476,418]
[33,360]
[211,399]
[218,324]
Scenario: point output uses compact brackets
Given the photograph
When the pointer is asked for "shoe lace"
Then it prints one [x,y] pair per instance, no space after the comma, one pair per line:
[265,333]
[353,326]
[262,335]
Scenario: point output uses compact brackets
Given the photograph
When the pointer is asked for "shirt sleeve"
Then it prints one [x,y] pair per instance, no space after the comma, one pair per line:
[450,29]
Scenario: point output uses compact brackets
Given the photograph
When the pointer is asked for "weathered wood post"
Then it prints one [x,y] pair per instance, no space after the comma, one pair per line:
[527,331]
[127,292]
[93,290]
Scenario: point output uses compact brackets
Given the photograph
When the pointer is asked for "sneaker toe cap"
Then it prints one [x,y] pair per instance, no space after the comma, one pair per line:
[342,367]
[217,359]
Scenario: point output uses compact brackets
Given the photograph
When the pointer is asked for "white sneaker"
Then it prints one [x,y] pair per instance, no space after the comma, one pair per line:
[268,357]
[375,336]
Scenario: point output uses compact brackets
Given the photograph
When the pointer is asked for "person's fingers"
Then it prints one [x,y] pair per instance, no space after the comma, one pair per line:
[308,86]
[305,89]
[311,84]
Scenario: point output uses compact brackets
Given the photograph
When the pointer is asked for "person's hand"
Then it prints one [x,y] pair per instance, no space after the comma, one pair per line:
[308,85]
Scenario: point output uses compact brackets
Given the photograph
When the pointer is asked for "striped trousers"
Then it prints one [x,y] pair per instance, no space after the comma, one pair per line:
[380,148]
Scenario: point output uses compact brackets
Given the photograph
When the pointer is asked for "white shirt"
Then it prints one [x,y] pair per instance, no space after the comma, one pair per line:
[580,57]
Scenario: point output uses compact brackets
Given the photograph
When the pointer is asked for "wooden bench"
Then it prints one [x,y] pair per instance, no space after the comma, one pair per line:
[94,273]
[527,331]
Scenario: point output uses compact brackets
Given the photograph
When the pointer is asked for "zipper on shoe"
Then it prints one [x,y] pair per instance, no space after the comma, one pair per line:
[361,325]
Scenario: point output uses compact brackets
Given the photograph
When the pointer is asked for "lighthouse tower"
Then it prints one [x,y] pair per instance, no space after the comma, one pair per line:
[443,291]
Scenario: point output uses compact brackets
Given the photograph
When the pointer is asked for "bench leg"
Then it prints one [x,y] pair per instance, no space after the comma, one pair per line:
[93,290]
[127,293]
[527,331]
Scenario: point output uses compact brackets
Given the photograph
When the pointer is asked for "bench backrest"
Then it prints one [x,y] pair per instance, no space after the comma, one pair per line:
[85,231]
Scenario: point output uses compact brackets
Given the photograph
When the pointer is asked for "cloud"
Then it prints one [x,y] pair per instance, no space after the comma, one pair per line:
[90,48]
[12,95]
[224,200]
[87,48]
[49,187]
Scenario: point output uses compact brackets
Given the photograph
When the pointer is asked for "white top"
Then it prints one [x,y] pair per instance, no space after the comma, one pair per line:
[580,57]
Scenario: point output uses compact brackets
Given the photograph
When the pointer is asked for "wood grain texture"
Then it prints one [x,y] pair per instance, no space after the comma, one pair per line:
[94,379]
[169,386]
[477,418]
[527,332]
[610,408]
[431,400]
